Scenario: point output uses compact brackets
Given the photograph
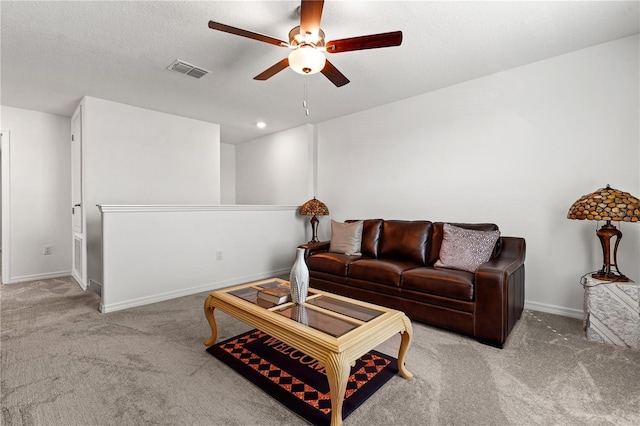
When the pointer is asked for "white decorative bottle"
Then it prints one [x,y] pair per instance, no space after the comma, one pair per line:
[299,278]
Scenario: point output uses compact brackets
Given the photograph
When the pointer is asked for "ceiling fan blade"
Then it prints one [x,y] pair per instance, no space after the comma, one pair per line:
[372,41]
[244,33]
[310,15]
[270,72]
[335,76]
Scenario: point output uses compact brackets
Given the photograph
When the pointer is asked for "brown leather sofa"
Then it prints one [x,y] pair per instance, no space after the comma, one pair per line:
[396,269]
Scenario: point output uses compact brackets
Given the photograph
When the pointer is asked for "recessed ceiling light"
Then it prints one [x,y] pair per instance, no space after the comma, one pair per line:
[261,124]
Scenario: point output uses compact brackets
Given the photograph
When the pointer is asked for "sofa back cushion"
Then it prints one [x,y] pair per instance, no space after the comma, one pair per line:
[371,230]
[403,239]
[438,233]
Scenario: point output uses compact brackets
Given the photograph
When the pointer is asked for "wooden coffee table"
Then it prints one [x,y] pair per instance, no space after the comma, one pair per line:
[333,329]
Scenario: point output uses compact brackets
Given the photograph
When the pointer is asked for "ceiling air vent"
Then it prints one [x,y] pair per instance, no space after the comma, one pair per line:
[188,69]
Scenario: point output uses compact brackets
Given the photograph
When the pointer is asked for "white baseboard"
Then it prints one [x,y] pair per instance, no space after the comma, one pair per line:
[79,281]
[95,285]
[161,297]
[553,309]
[38,277]
[535,306]
[112,307]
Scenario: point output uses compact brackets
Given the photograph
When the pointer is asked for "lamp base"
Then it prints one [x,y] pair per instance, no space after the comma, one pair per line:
[605,234]
[603,276]
[314,228]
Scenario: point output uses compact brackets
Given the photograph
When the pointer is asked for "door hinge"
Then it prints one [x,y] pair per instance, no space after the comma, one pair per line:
[71,138]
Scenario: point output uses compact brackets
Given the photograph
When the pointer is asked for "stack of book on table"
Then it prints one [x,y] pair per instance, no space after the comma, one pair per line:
[277,294]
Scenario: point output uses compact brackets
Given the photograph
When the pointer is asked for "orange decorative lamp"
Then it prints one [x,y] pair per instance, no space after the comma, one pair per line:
[607,204]
[314,208]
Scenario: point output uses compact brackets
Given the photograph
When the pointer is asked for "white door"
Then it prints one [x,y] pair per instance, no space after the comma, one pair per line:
[78,258]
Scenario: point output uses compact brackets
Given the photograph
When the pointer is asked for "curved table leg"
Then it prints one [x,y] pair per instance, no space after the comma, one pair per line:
[208,312]
[337,368]
[404,346]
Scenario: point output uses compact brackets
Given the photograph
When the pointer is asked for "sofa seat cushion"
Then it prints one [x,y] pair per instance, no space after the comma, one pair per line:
[442,282]
[384,271]
[331,263]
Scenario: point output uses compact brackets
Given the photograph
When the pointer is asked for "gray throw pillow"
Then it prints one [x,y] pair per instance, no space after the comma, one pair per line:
[466,249]
[346,238]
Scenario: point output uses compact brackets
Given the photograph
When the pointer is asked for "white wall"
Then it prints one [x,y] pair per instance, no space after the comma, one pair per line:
[256,242]
[138,156]
[515,148]
[1,186]
[227,173]
[276,169]
[40,179]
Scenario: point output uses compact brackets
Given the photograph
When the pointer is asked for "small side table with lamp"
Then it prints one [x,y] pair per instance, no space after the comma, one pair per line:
[611,300]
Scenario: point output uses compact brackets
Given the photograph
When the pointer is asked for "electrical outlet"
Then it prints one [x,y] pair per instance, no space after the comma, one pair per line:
[47,250]
[218,254]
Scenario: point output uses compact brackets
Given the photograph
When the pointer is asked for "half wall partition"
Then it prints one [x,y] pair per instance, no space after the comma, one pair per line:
[153,253]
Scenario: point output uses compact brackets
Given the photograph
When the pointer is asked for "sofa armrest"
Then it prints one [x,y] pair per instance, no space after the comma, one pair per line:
[499,292]
[313,248]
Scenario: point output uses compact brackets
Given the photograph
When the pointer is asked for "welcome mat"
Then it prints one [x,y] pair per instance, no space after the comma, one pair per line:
[297,380]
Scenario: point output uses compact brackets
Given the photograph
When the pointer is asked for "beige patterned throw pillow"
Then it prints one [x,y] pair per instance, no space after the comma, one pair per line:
[466,249]
[346,238]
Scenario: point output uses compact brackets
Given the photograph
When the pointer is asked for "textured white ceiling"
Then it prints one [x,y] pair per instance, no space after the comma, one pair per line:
[53,53]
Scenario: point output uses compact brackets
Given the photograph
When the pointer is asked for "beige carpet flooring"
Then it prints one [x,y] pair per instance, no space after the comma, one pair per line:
[64,363]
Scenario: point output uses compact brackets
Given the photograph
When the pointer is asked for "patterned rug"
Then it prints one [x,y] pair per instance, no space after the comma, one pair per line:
[297,380]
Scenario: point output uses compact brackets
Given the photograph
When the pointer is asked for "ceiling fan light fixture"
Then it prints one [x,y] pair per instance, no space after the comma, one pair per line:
[308,46]
[307,60]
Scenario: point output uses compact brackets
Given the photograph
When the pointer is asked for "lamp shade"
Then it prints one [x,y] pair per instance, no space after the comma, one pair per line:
[314,208]
[307,60]
[606,204]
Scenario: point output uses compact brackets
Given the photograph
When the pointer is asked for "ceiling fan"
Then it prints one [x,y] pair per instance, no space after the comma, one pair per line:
[307,44]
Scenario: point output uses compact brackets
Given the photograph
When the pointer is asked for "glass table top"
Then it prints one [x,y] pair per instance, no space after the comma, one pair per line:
[322,312]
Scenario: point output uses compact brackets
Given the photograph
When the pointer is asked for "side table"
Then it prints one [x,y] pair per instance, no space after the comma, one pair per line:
[612,312]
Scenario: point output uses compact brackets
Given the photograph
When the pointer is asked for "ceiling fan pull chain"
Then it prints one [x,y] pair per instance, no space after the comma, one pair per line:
[304,101]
